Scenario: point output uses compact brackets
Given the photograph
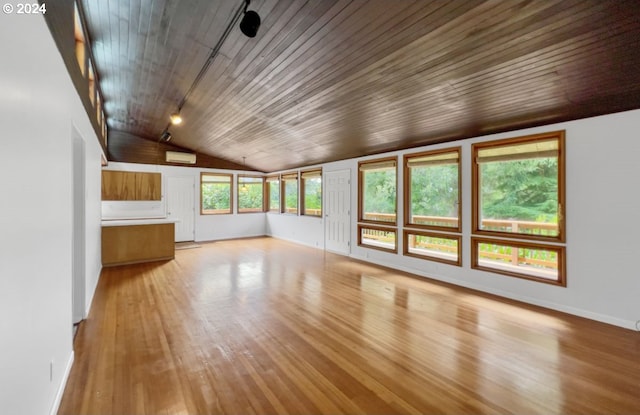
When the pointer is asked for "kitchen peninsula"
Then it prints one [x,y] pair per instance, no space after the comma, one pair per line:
[132,241]
[134,223]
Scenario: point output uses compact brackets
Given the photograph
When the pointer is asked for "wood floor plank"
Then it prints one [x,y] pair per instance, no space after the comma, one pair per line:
[264,326]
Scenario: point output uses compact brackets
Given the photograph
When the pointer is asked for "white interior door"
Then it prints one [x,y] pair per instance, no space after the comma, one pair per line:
[338,211]
[181,206]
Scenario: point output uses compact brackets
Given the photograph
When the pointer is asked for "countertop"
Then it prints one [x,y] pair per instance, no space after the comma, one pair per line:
[129,222]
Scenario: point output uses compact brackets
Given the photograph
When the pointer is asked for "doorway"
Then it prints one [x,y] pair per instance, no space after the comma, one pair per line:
[338,211]
[181,206]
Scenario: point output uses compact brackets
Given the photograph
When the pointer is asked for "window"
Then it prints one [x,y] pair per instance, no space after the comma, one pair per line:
[432,201]
[215,193]
[518,187]
[80,41]
[432,190]
[250,194]
[104,132]
[537,262]
[377,237]
[86,65]
[311,190]
[290,192]
[377,185]
[103,122]
[92,84]
[433,246]
[99,115]
[273,194]
[518,192]
[377,204]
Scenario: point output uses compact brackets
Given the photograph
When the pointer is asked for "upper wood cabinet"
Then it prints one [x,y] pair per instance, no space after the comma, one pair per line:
[126,185]
[148,186]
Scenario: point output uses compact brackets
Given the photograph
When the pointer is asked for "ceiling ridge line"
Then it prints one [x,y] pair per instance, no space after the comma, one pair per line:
[214,53]
[205,67]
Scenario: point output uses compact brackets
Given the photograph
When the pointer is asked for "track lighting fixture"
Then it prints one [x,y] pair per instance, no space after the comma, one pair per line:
[165,136]
[249,25]
[250,22]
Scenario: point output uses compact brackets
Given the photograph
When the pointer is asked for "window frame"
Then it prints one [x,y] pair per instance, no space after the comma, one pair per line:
[80,40]
[239,177]
[86,64]
[457,238]
[361,219]
[104,130]
[559,249]
[378,228]
[225,212]
[407,189]
[98,104]
[92,84]
[302,188]
[267,181]
[284,177]
[476,191]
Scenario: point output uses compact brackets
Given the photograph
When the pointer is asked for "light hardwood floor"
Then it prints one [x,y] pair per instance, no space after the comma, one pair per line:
[266,326]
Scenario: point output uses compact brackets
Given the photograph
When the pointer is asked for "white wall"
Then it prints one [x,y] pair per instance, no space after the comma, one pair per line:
[306,230]
[38,107]
[93,216]
[602,224]
[207,227]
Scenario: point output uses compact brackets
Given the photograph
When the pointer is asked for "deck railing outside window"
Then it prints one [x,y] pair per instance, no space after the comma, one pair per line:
[501,254]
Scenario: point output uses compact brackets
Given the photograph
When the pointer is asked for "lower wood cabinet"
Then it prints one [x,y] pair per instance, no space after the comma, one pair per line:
[132,244]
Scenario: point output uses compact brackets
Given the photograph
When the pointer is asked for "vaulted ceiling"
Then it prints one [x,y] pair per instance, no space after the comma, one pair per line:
[326,80]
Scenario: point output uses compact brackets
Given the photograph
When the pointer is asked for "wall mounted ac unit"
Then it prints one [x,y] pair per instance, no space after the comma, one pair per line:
[177,157]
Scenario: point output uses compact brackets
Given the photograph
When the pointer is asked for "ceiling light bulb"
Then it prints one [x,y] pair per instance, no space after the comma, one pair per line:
[175,119]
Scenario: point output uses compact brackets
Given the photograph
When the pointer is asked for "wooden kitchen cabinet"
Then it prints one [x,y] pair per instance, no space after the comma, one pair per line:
[126,185]
[131,244]
[148,186]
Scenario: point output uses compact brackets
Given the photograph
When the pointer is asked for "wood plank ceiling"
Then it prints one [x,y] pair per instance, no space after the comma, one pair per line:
[334,79]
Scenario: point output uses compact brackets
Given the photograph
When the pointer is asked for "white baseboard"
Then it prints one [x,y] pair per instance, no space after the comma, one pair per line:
[230,238]
[63,384]
[89,300]
[295,241]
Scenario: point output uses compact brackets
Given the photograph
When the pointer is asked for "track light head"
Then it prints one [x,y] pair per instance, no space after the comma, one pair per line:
[250,23]
[165,136]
